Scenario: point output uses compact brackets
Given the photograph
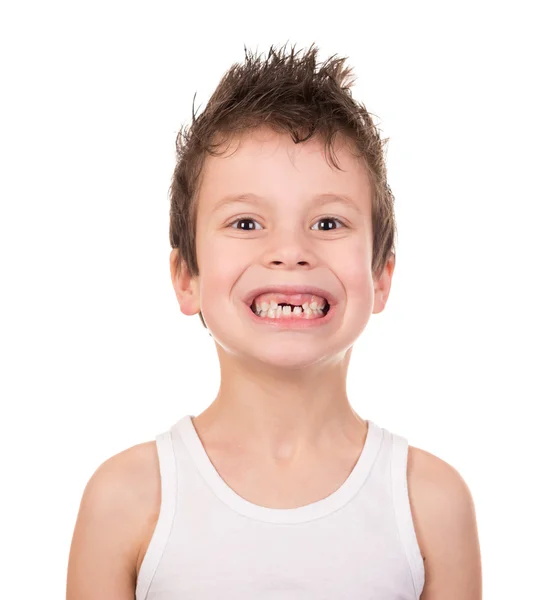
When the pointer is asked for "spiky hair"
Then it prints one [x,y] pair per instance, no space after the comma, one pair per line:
[292,93]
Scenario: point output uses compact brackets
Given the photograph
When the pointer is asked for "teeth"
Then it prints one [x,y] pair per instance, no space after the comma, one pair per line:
[267,304]
[270,309]
[288,309]
[281,312]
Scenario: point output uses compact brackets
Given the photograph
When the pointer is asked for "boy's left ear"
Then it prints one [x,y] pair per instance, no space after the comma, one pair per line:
[186,287]
[382,286]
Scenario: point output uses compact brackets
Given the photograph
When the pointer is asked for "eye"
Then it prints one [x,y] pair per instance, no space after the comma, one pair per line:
[331,219]
[241,220]
[249,221]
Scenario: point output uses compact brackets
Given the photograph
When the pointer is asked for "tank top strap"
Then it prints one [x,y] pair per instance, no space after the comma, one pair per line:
[168,475]
[406,530]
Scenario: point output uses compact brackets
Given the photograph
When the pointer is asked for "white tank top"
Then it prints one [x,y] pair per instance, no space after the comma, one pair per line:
[209,543]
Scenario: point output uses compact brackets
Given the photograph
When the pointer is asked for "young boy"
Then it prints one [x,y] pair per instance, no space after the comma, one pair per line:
[282,229]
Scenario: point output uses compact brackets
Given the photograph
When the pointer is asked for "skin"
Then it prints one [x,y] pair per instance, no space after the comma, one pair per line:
[282,395]
[282,403]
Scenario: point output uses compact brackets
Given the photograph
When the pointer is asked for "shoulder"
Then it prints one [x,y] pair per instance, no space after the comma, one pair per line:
[130,478]
[119,506]
[444,518]
[138,471]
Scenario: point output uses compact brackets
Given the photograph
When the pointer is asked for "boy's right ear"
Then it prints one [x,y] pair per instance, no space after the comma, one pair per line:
[186,287]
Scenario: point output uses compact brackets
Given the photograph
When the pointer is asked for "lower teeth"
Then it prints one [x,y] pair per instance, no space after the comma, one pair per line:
[275,314]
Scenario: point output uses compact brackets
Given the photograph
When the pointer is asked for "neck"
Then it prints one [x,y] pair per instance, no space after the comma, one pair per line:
[282,417]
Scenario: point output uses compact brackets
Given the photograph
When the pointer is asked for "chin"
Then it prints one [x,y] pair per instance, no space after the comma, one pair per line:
[293,357]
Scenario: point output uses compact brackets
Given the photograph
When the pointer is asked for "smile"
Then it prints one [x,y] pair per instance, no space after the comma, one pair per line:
[283,310]
[307,319]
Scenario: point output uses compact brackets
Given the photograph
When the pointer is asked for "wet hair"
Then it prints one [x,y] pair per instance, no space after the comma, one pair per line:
[290,92]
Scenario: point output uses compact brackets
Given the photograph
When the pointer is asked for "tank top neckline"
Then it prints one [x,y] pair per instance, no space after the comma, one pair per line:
[336,500]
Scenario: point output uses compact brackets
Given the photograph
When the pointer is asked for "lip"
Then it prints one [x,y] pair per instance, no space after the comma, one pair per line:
[292,323]
[291,289]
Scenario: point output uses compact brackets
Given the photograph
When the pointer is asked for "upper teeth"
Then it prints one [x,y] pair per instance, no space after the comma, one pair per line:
[272,305]
[272,309]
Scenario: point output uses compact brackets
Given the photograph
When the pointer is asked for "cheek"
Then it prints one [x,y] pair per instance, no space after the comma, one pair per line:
[221,262]
[352,265]
[359,288]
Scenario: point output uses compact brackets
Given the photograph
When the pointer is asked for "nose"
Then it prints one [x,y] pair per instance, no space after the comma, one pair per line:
[289,250]
[277,263]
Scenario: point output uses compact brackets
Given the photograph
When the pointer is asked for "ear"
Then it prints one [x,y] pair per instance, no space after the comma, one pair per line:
[382,286]
[186,286]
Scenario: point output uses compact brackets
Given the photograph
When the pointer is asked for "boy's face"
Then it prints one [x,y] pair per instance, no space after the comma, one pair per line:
[285,237]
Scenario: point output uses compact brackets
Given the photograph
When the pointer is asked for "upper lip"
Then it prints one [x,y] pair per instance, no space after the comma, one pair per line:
[290,289]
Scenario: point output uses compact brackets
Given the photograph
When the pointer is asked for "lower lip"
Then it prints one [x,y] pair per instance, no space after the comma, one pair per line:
[292,322]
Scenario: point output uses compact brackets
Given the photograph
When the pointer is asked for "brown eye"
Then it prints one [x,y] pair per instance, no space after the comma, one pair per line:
[245,220]
[342,224]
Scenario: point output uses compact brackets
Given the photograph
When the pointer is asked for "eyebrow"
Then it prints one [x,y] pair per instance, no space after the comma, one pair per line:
[319,200]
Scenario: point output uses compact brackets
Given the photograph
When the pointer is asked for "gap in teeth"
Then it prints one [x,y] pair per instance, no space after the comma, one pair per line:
[273,309]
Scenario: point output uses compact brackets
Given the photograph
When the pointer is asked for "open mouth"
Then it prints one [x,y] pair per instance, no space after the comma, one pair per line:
[285,310]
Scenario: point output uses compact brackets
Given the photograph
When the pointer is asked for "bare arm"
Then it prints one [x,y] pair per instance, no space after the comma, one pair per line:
[105,544]
[445,520]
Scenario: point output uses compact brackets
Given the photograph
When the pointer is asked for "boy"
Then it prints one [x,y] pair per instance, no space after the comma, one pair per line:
[282,229]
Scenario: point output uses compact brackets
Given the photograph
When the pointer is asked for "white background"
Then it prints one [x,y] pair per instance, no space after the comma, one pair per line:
[96,356]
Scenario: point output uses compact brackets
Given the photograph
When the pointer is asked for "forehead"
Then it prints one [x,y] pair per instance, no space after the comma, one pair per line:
[267,163]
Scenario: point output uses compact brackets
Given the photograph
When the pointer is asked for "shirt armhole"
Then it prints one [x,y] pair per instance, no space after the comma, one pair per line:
[404,518]
[158,541]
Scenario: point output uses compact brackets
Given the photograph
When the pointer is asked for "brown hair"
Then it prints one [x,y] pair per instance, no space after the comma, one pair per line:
[290,94]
